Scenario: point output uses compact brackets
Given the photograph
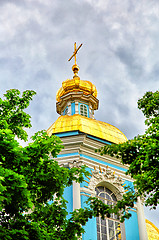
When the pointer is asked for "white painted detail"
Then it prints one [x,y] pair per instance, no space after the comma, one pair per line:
[76,107]
[69,109]
[141,220]
[76,196]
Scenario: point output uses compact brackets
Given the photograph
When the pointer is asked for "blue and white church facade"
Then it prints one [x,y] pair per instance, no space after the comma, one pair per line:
[81,135]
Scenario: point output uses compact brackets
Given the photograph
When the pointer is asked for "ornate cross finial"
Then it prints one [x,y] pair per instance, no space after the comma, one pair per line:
[75,52]
[75,67]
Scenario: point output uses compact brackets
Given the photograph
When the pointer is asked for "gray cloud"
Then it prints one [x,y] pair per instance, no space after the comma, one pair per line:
[129,59]
[13,64]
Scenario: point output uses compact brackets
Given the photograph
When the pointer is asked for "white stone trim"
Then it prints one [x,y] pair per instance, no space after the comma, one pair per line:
[69,108]
[141,220]
[76,196]
[76,107]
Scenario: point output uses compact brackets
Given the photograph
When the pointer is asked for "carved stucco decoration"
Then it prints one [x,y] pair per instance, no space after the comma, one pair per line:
[75,163]
[107,178]
[72,164]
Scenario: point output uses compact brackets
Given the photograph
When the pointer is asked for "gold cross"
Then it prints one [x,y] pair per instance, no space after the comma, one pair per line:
[75,52]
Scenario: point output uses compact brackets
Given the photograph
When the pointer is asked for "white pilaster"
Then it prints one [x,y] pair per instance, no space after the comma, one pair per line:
[141,220]
[69,108]
[76,107]
[76,196]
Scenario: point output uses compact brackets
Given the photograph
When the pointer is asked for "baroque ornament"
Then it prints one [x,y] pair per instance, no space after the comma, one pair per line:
[106,177]
[75,163]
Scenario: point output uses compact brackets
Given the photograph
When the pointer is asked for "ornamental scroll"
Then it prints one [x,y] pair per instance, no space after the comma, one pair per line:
[107,178]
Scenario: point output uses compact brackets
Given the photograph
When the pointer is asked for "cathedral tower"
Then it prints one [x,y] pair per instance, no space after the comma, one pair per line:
[81,135]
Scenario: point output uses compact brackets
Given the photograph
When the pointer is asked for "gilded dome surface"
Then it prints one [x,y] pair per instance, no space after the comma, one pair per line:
[152,231]
[90,126]
[76,85]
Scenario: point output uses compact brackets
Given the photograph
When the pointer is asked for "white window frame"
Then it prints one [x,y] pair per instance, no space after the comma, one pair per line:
[83,110]
[104,228]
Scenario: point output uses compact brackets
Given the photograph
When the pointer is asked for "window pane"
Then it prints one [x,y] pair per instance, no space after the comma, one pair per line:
[107,229]
[108,197]
[102,195]
[101,189]
[110,224]
[108,191]
[111,234]
[103,229]
[83,110]
[104,237]
[97,191]
[103,221]
[113,197]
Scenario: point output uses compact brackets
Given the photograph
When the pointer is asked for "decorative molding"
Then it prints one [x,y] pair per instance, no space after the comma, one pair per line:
[106,177]
[75,163]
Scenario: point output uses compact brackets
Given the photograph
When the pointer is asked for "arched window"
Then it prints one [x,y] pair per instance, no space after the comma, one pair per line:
[83,110]
[109,228]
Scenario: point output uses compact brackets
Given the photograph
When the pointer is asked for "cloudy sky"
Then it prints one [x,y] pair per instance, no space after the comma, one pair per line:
[119,55]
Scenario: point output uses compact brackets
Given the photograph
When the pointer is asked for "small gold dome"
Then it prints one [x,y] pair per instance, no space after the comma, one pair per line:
[87,125]
[76,85]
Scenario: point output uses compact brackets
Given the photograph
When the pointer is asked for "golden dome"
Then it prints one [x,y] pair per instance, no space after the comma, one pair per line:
[87,125]
[152,231]
[76,85]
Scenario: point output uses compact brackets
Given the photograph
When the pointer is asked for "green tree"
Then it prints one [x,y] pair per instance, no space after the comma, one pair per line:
[142,153]
[30,177]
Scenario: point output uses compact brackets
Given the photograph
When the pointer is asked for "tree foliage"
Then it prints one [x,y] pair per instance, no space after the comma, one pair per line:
[30,177]
[32,183]
[142,153]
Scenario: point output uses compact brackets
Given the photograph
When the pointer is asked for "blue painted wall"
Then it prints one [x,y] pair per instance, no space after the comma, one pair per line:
[131,227]
[90,227]
[68,195]
[72,108]
[129,184]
